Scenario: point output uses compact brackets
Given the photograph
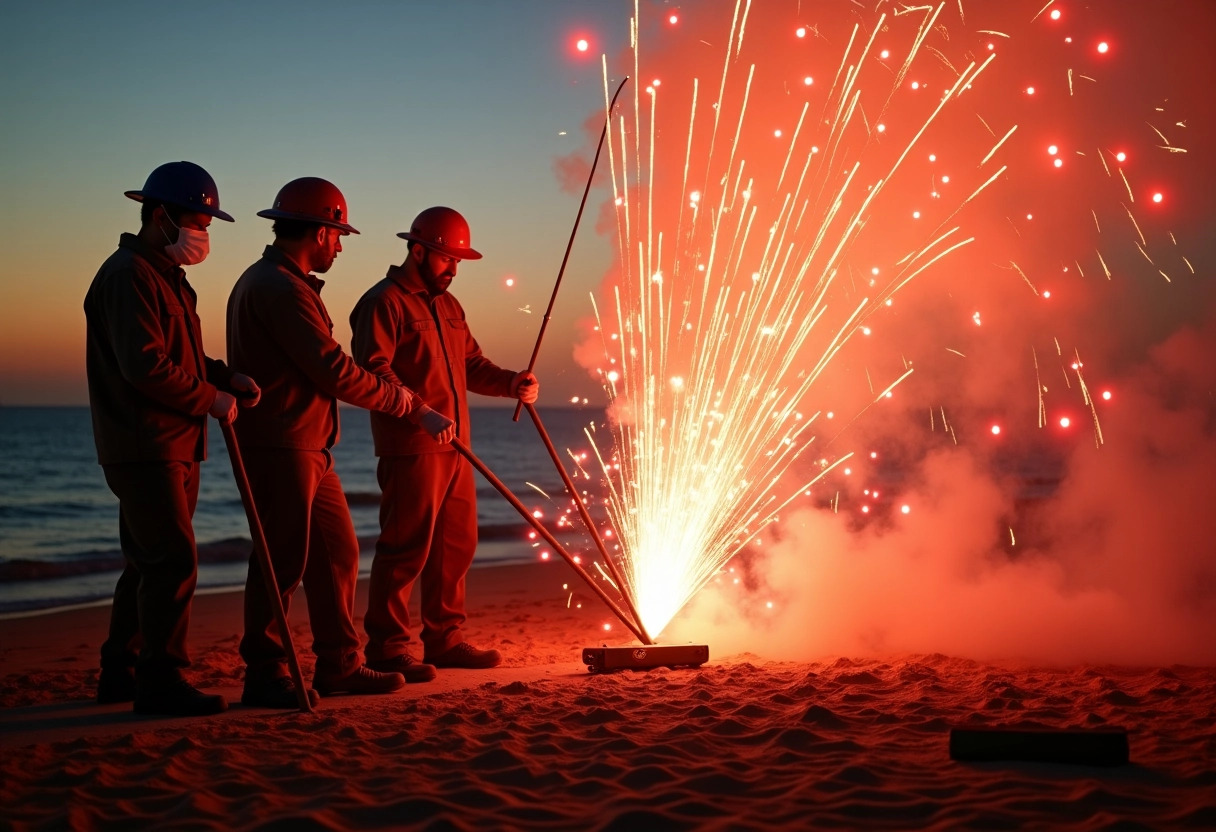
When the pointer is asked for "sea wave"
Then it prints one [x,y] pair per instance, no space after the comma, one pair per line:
[228,550]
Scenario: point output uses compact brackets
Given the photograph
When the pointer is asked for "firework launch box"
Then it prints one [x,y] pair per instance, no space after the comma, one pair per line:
[646,657]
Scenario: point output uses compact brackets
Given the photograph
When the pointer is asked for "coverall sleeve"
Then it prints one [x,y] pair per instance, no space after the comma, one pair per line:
[374,325]
[218,373]
[301,328]
[130,304]
[484,376]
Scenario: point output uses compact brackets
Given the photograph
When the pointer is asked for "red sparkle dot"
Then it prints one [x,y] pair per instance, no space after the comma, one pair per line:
[1059,163]
[1121,156]
[1065,421]
[673,20]
[800,31]
[1055,14]
[996,429]
[1157,197]
[1106,395]
[1103,48]
[582,45]
[1030,90]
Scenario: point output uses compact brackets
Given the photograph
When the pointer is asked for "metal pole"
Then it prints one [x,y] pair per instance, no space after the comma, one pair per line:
[262,553]
[570,243]
[549,538]
[590,524]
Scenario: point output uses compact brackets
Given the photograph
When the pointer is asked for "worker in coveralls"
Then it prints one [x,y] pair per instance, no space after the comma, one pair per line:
[409,329]
[151,387]
[280,331]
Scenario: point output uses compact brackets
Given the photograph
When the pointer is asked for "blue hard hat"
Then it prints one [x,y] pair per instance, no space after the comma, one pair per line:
[185,185]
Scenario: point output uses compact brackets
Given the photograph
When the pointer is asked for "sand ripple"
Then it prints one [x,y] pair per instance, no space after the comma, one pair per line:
[845,744]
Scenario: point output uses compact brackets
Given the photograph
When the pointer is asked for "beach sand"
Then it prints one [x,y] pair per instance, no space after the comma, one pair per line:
[743,742]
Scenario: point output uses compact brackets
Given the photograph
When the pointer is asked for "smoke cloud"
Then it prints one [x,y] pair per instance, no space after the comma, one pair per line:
[1044,521]
[1122,568]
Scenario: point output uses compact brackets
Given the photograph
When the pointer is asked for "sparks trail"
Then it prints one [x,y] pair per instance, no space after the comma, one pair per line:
[762,222]
[727,309]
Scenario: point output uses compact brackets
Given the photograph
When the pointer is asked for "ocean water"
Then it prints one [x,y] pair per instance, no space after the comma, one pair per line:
[59,521]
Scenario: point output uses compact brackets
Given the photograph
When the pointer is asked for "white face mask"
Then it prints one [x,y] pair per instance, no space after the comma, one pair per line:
[192,246]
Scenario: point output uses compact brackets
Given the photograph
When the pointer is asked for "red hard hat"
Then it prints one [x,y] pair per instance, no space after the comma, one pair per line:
[444,230]
[310,199]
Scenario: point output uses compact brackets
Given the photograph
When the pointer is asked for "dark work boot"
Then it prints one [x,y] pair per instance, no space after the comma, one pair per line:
[405,664]
[274,692]
[465,655]
[178,698]
[361,680]
[115,685]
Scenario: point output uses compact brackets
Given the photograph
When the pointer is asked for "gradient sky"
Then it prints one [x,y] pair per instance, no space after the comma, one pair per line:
[403,105]
[470,103]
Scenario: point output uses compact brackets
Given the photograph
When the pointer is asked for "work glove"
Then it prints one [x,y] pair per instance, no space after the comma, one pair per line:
[435,423]
[246,389]
[405,402]
[525,387]
[224,406]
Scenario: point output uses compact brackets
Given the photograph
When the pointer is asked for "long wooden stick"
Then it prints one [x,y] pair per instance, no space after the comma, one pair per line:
[549,538]
[588,522]
[262,553]
[570,243]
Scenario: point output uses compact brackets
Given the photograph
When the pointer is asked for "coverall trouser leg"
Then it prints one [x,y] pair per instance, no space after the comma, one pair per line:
[428,530]
[151,613]
[312,542]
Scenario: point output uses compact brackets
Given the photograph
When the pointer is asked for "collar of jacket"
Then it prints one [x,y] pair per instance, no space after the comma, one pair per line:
[156,259]
[411,283]
[279,257]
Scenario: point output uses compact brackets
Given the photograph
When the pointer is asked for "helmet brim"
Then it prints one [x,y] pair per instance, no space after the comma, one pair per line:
[275,214]
[140,196]
[450,251]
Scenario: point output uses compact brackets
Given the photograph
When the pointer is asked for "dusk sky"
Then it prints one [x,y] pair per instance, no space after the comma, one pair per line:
[403,105]
[474,104]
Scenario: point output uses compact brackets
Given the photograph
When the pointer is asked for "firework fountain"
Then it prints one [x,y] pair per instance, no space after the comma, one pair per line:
[764,221]
[727,310]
